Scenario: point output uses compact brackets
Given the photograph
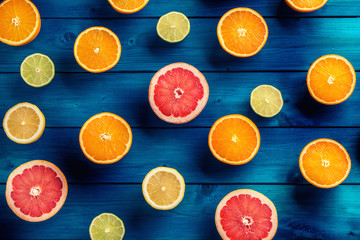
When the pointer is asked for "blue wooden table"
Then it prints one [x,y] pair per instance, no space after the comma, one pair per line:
[295,41]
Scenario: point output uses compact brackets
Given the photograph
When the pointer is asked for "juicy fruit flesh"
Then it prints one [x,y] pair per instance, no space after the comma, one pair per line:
[107,227]
[331,79]
[128,4]
[307,3]
[177,92]
[243,32]
[37,70]
[266,100]
[173,27]
[105,138]
[97,49]
[36,190]
[17,20]
[23,123]
[245,217]
[325,163]
[234,139]
[163,188]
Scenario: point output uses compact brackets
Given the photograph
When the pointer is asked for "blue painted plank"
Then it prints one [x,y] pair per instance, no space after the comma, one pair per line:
[293,44]
[71,99]
[304,212]
[185,149]
[192,8]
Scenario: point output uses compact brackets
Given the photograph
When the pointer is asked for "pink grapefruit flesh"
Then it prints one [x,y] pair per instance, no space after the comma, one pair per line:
[178,93]
[246,214]
[36,190]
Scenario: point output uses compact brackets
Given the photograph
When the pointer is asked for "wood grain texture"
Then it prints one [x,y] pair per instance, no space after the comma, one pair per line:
[304,212]
[185,149]
[293,44]
[70,99]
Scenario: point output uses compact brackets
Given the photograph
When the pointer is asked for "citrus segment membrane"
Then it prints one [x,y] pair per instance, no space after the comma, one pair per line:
[173,27]
[107,226]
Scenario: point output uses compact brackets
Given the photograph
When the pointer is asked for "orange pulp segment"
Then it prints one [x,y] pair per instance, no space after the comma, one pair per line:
[306,5]
[128,6]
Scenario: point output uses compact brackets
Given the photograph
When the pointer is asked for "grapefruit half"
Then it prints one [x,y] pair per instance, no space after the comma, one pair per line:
[178,93]
[246,214]
[36,190]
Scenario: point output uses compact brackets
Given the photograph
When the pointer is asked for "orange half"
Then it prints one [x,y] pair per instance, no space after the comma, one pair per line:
[242,32]
[20,22]
[324,163]
[234,139]
[331,79]
[128,6]
[97,49]
[306,5]
[105,138]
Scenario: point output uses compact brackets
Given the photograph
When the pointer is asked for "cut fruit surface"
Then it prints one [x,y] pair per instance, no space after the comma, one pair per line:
[331,79]
[324,163]
[242,32]
[24,123]
[266,100]
[128,6]
[246,214]
[97,49]
[107,226]
[234,139]
[105,138]
[20,22]
[37,70]
[178,93]
[163,188]
[173,27]
[36,190]
[306,5]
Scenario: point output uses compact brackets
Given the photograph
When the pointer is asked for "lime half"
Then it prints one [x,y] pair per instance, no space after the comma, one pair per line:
[266,100]
[107,226]
[37,70]
[173,27]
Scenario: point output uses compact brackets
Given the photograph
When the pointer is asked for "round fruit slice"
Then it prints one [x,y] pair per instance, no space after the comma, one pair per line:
[20,22]
[234,139]
[266,100]
[97,49]
[105,138]
[331,79]
[163,188]
[242,32]
[173,27]
[128,6]
[36,190]
[24,123]
[107,226]
[178,93]
[306,5]
[37,70]
[246,214]
[324,163]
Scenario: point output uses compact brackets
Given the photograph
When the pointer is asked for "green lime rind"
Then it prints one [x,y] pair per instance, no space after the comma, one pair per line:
[266,101]
[107,226]
[173,27]
[37,70]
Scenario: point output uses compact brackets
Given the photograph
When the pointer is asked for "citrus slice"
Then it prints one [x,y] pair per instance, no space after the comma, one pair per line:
[306,5]
[105,138]
[36,190]
[37,70]
[234,139]
[20,22]
[24,123]
[331,79]
[324,163]
[163,188]
[97,49]
[266,100]
[128,6]
[173,27]
[246,214]
[242,32]
[107,226]
[178,93]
